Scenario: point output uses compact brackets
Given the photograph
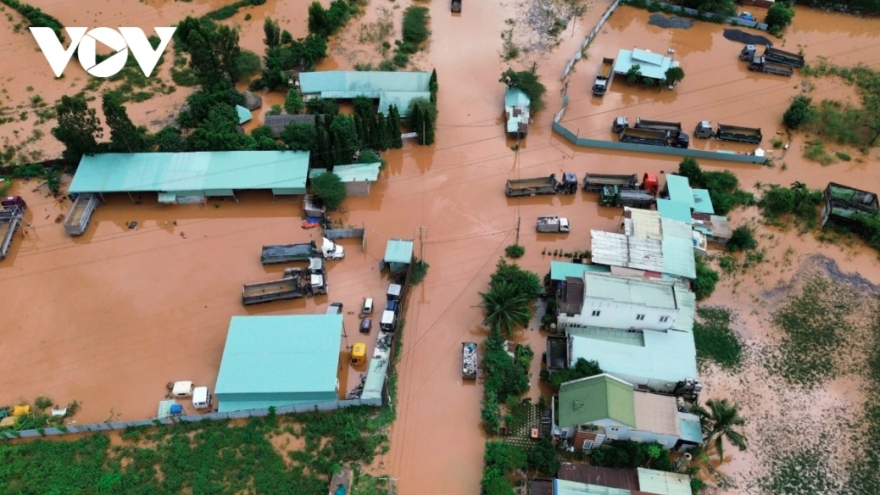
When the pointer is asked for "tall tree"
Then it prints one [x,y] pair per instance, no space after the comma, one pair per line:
[414,119]
[433,87]
[124,135]
[299,136]
[273,33]
[394,127]
[429,130]
[78,128]
[293,103]
[225,44]
[506,309]
[319,24]
[382,128]
[202,58]
[359,126]
[719,422]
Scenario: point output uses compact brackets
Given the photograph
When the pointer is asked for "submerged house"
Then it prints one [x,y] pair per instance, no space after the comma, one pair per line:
[516,112]
[842,203]
[651,65]
[390,88]
[693,206]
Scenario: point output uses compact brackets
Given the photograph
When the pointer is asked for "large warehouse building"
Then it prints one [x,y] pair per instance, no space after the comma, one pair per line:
[186,178]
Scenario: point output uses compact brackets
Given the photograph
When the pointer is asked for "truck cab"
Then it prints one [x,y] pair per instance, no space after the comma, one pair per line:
[335,308]
[388,323]
[681,140]
[331,251]
[358,354]
[748,52]
[182,389]
[569,184]
[619,124]
[202,398]
[704,130]
[393,293]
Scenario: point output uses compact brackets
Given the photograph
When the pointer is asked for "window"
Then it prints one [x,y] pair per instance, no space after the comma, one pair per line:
[640,317]
[596,312]
[663,319]
[614,428]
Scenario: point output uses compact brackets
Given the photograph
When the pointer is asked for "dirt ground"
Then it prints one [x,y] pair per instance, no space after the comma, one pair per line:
[109,318]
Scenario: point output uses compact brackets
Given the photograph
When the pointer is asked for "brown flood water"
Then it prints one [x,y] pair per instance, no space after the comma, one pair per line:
[109,318]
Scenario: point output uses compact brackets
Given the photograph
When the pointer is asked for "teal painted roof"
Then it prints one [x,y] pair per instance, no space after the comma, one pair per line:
[316,172]
[630,291]
[391,88]
[663,483]
[559,270]
[675,210]
[687,303]
[702,202]
[564,487]
[678,257]
[399,251]
[244,115]
[375,378]
[202,171]
[650,64]
[280,354]
[358,172]
[680,189]
[516,98]
[689,424]
[596,398]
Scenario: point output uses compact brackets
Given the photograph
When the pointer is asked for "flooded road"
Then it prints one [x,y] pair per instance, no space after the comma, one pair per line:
[108,319]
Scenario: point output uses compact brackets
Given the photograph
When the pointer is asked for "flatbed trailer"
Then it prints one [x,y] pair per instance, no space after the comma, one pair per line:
[80,215]
[276,290]
[604,77]
[285,253]
[595,182]
[783,57]
[10,220]
[739,134]
[761,64]
[658,124]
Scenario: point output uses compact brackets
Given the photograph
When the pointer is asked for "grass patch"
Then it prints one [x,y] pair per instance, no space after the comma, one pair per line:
[800,472]
[419,271]
[377,32]
[715,340]
[415,24]
[842,156]
[815,151]
[36,17]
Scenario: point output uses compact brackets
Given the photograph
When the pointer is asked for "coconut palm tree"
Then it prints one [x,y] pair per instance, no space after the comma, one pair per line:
[719,422]
[505,308]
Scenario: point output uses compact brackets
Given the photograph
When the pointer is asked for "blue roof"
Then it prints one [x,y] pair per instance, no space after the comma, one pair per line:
[559,270]
[399,251]
[650,64]
[702,202]
[279,360]
[201,171]
[390,88]
[244,115]
[675,210]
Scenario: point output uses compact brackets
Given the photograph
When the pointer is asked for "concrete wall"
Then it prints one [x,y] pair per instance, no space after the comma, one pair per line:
[359,188]
[619,315]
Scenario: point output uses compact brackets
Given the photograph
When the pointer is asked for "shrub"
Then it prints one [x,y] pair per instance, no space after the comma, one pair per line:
[706,280]
[42,402]
[246,65]
[542,457]
[275,110]
[778,17]
[415,24]
[293,103]
[515,251]
[320,106]
[797,200]
[419,271]
[582,369]
[329,187]
[798,112]
[742,239]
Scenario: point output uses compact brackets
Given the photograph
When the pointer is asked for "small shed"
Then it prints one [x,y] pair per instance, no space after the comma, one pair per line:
[278,122]
[398,254]
[357,177]
[244,115]
[651,65]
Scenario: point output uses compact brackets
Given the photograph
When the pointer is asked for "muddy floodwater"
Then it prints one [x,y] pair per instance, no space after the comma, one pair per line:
[109,318]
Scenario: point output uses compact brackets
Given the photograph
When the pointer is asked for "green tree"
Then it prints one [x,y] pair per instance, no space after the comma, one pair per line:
[719,422]
[742,239]
[320,106]
[168,140]
[506,309]
[344,139]
[581,369]
[369,156]
[124,135]
[505,456]
[673,76]
[203,60]
[707,278]
[542,457]
[299,136]
[219,132]
[691,169]
[273,33]
[247,65]
[415,24]
[293,103]
[384,132]
[634,74]
[318,23]
[527,283]
[225,44]
[321,145]
[798,113]
[490,414]
[265,138]
[286,38]
[330,189]
[78,128]
[394,128]
[723,8]
[778,17]
[528,82]
[433,87]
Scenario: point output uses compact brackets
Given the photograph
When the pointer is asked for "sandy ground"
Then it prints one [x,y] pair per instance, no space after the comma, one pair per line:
[109,318]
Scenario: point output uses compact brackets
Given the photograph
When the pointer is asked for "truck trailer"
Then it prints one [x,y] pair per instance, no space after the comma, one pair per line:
[658,124]
[80,214]
[542,185]
[775,55]
[294,284]
[654,137]
[616,197]
[285,253]
[761,64]
[728,132]
[604,78]
[553,225]
[596,182]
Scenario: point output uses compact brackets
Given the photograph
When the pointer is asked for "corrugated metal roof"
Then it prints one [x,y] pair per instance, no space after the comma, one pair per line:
[563,487]
[559,270]
[630,291]
[674,210]
[279,122]
[663,483]
[689,425]
[613,249]
[244,115]
[687,303]
[399,251]
[702,201]
[650,64]
[596,398]
[280,354]
[680,189]
[645,223]
[676,229]
[663,356]
[358,172]
[201,171]
[678,257]
[656,413]
[391,88]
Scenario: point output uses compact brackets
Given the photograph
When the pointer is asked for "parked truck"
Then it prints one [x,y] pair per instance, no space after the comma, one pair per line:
[542,185]
[728,132]
[469,360]
[604,78]
[597,182]
[10,220]
[761,64]
[553,225]
[654,137]
[775,55]
[456,6]
[294,284]
[285,253]
[80,214]
[658,124]
[617,197]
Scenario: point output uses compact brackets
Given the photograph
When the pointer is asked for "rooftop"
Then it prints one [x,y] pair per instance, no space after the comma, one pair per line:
[280,354]
[201,171]
[656,413]
[689,425]
[279,122]
[703,202]
[596,398]
[390,88]
[674,210]
[244,115]
[673,255]
[516,105]
[399,251]
[650,64]
[625,479]
[663,483]
[680,189]
[563,487]
[559,270]
[640,292]
[358,172]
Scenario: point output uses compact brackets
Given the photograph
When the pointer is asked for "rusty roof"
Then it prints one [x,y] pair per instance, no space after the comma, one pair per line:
[626,479]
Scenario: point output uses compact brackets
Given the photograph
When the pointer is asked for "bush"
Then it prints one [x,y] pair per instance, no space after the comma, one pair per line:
[778,17]
[706,280]
[42,402]
[329,187]
[798,112]
[419,271]
[582,369]
[503,376]
[293,103]
[542,457]
[742,239]
[797,200]
[527,283]
[415,24]
[514,251]
[275,110]
[490,415]
[320,106]
[630,455]
[723,186]
[246,65]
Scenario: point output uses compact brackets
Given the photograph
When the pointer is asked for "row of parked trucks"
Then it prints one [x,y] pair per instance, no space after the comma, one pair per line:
[661,133]
[295,282]
[772,61]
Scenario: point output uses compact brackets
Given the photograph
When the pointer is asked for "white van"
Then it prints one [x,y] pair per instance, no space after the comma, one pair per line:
[202,398]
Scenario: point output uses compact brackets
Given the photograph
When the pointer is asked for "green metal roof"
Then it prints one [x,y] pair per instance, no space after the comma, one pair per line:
[564,487]
[650,64]
[279,360]
[596,398]
[560,270]
[358,172]
[202,171]
[630,291]
[391,88]
[702,202]
[689,424]
[399,251]
[675,210]
[244,115]
[680,189]
[663,483]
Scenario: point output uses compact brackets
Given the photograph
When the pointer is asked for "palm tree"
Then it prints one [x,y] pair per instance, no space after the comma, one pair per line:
[719,422]
[505,308]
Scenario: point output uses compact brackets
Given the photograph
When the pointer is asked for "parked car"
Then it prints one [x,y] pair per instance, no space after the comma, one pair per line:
[747,17]
[366,325]
[367,306]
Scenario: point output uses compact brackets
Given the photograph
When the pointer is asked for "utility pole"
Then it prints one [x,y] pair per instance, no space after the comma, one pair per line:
[421,242]
[518,218]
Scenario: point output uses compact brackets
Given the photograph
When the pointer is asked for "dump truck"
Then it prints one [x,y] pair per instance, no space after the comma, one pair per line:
[658,124]
[10,220]
[775,55]
[596,182]
[553,225]
[604,78]
[619,124]
[761,64]
[80,214]
[285,253]
[616,197]
[294,284]
[542,185]
[654,137]
[469,360]
[728,132]
[456,6]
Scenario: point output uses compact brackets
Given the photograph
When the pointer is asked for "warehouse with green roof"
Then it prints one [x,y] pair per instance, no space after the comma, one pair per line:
[182,178]
[275,361]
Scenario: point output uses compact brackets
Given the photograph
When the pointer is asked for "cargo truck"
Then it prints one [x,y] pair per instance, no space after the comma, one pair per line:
[728,133]
[80,214]
[604,78]
[616,197]
[596,182]
[658,124]
[469,360]
[775,55]
[285,253]
[542,185]
[760,64]
[553,225]
[654,137]
[10,220]
[294,284]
